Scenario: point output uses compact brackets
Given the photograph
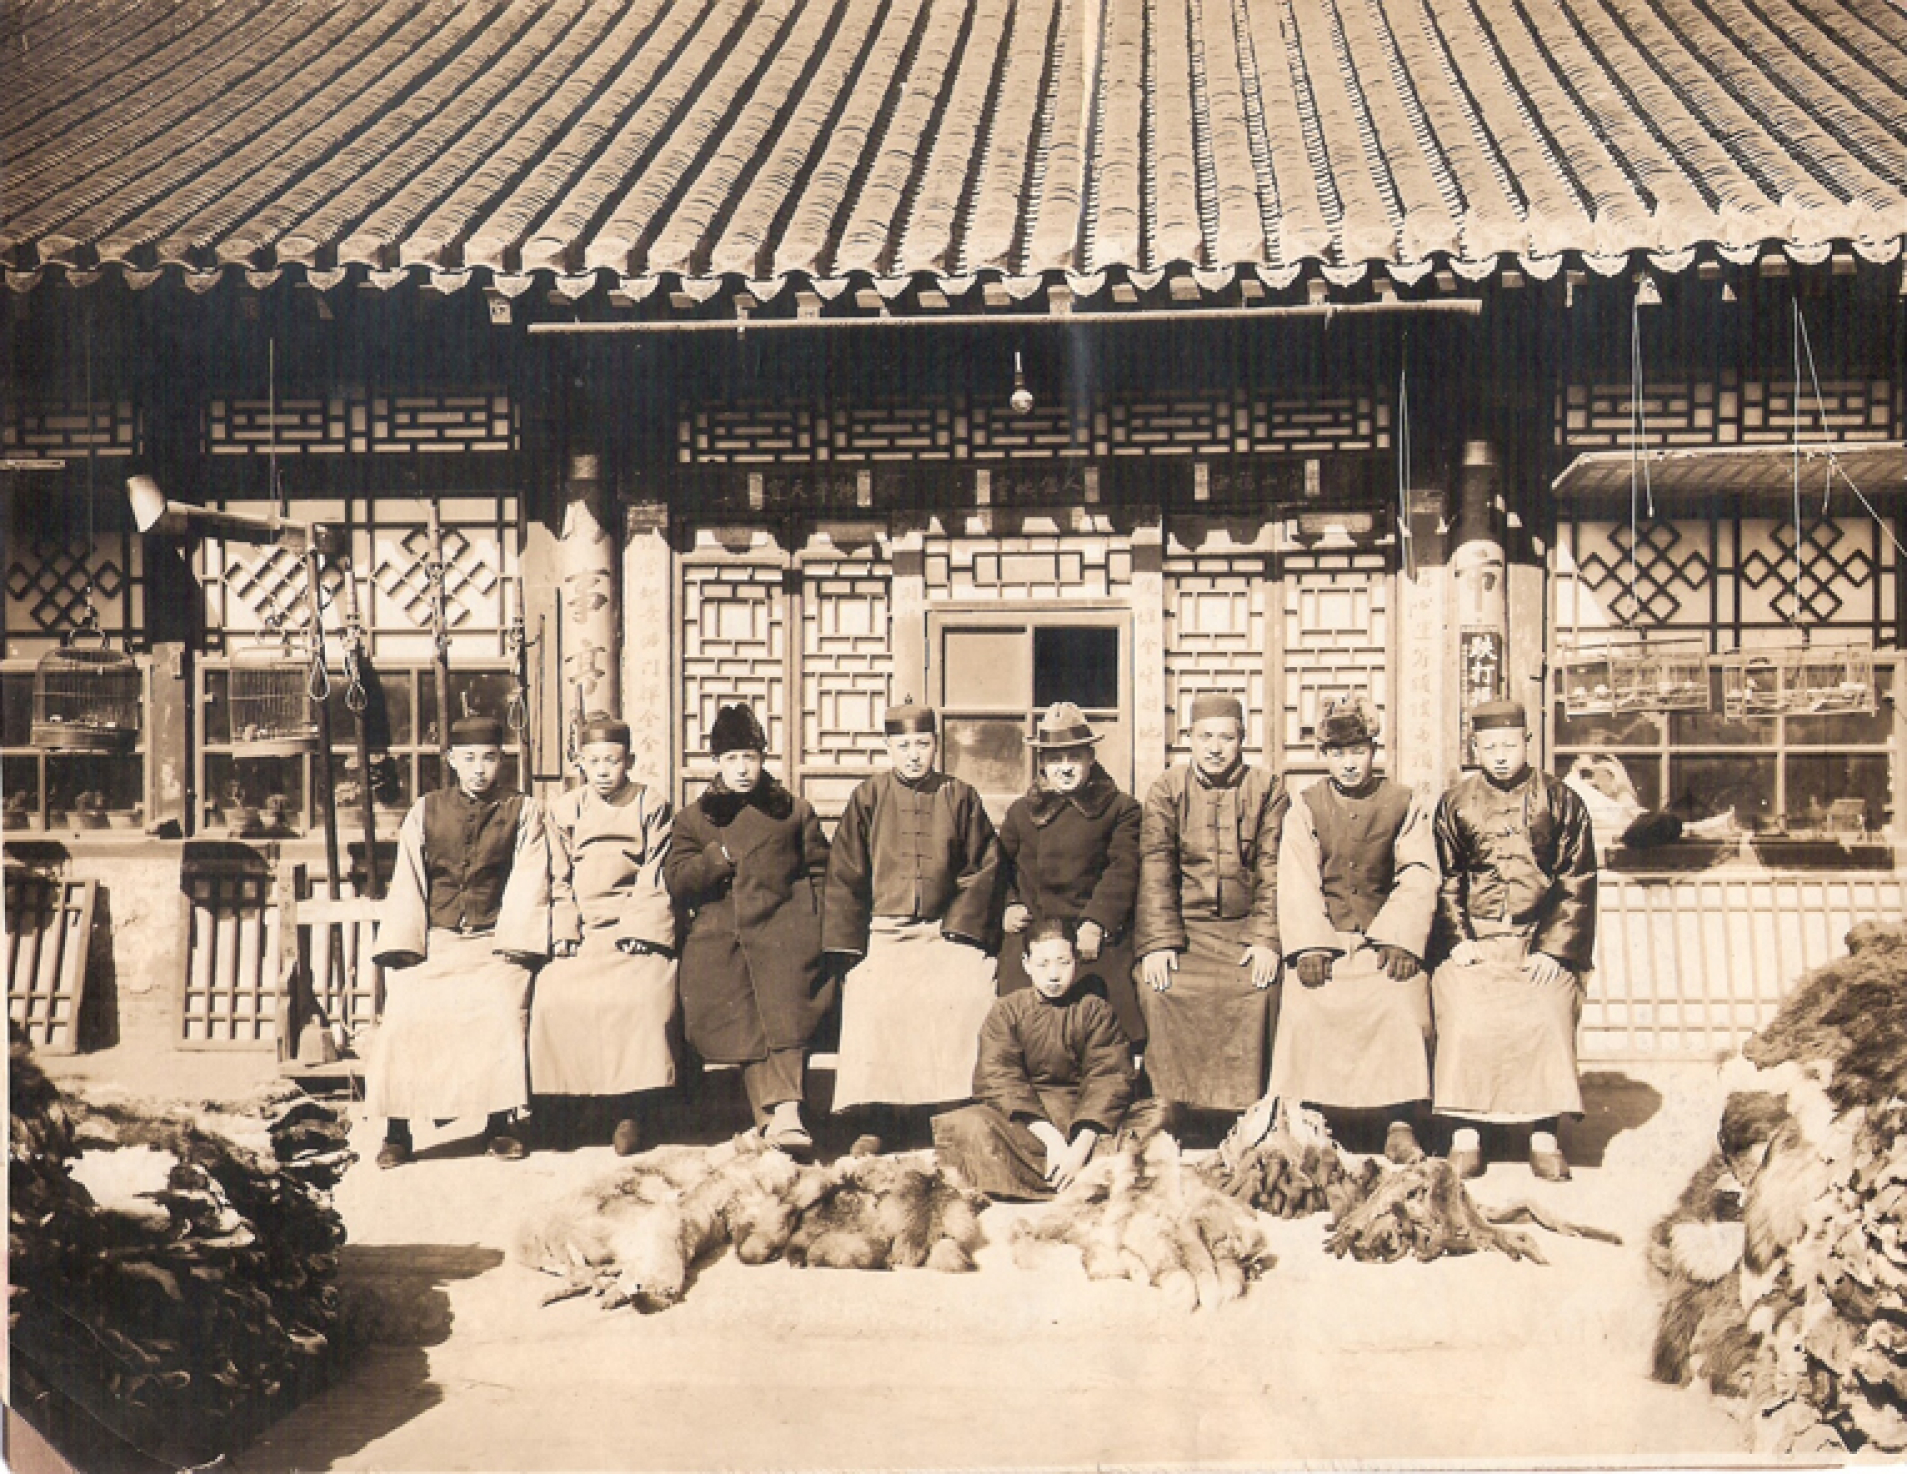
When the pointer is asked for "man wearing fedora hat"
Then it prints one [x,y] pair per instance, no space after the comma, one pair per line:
[1072,854]
[1206,930]
[911,916]
[1517,922]
[1357,893]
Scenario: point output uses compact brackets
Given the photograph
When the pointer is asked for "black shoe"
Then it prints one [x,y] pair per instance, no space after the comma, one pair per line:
[393,1154]
[508,1148]
[628,1138]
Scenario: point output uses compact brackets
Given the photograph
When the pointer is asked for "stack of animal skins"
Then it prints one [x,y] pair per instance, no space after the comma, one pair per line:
[173,1271]
[638,1236]
[1784,1264]
[1140,1214]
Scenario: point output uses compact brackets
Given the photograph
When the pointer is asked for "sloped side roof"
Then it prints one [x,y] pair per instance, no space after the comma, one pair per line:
[695,141]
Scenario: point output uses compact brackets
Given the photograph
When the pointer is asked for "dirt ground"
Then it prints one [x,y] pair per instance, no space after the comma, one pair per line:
[1469,1360]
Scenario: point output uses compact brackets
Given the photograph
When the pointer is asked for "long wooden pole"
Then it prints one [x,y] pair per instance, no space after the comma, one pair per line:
[322,792]
[356,656]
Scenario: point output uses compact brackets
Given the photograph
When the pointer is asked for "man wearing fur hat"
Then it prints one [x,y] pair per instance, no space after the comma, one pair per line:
[599,1024]
[1206,928]
[466,918]
[912,917]
[1517,920]
[1357,894]
[747,864]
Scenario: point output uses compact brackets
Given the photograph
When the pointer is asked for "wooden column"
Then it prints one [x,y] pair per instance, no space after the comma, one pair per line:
[1422,750]
[1151,742]
[907,604]
[587,564]
[1480,584]
[650,634]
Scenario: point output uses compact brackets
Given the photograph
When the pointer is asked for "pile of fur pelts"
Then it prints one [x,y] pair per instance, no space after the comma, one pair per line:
[172,1270]
[1140,1214]
[1785,1262]
[1281,1159]
[638,1236]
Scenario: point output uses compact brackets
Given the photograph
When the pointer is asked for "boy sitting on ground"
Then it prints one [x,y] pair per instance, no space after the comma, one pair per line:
[1054,1080]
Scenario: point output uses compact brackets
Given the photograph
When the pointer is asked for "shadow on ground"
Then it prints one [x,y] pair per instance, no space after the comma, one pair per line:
[395,1307]
[1612,1104]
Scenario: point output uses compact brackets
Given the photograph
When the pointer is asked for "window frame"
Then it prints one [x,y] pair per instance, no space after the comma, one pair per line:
[139,816]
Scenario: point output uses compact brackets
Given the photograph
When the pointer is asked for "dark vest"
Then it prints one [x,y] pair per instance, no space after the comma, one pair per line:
[1358,840]
[468,846]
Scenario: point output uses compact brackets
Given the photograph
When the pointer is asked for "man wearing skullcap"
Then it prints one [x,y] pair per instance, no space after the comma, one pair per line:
[1517,927]
[746,866]
[599,1023]
[1357,894]
[466,918]
[1206,925]
[912,917]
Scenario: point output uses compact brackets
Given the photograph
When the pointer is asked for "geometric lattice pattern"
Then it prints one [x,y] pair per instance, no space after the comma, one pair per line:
[1645,576]
[846,661]
[1215,641]
[1336,644]
[356,422]
[989,430]
[106,428]
[50,584]
[1722,411]
[1028,567]
[231,962]
[733,634]
[1814,587]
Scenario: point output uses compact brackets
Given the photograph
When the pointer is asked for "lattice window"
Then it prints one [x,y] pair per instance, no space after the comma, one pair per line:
[69,430]
[1030,567]
[1325,422]
[752,436]
[1215,641]
[1174,427]
[359,422]
[1723,411]
[893,432]
[733,649]
[231,961]
[1046,430]
[1337,638]
[846,661]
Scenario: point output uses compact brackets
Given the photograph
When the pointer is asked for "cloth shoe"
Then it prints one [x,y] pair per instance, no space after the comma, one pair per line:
[393,1154]
[867,1144]
[628,1138]
[785,1132]
[1401,1146]
[1549,1165]
[1466,1162]
[507,1148]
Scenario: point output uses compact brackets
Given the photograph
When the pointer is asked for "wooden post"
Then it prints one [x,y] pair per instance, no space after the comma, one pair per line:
[322,792]
[1479,570]
[440,639]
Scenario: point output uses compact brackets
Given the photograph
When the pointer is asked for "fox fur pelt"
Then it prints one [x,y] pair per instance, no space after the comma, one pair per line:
[1281,1159]
[1139,1214]
[638,1236]
[1783,1267]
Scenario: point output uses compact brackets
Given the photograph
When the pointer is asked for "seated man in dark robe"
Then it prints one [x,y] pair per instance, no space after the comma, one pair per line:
[1053,1083]
[1517,918]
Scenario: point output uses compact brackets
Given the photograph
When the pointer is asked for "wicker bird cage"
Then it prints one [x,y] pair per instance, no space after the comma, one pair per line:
[269,699]
[1635,676]
[1804,680]
[86,697]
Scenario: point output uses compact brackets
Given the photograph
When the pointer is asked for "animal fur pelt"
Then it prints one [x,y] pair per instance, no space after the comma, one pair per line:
[1139,1214]
[1421,1211]
[1784,1265]
[1286,1164]
[637,1237]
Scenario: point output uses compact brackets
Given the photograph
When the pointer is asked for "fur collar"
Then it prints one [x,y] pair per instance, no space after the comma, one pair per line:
[721,805]
[1092,798]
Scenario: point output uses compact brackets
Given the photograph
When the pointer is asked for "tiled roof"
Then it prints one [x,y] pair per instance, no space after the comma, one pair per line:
[688,142]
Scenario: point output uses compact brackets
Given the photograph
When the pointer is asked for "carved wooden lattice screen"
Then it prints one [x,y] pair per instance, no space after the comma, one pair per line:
[232,959]
[1335,642]
[1215,641]
[734,648]
[49,928]
[846,667]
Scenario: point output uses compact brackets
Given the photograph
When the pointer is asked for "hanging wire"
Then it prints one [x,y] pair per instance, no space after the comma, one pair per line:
[1406,540]
[1640,487]
[1794,616]
[90,621]
[1835,467]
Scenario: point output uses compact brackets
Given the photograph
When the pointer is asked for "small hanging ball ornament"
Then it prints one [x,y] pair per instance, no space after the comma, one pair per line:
[1021,400]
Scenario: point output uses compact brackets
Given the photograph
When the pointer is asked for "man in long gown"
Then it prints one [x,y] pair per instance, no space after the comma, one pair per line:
[466,919]
[1206,929]
[1357,894]
[599,1023]
[1517,915]
[912,916]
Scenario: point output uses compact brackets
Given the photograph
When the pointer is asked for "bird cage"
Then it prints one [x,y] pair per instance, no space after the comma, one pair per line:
[1635,676]
[86,697]
[268,697]
[1804,680]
